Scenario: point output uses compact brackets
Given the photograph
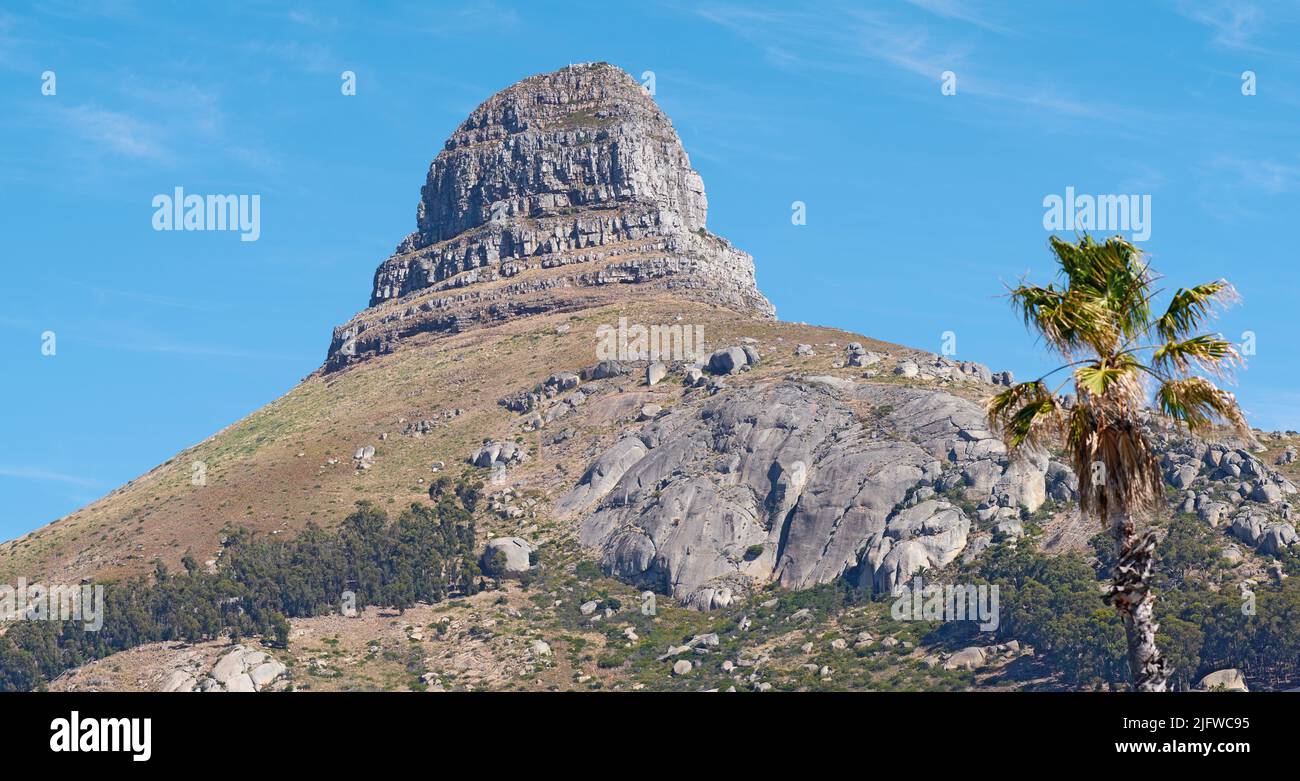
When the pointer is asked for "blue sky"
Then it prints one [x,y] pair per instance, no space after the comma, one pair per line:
[919,205]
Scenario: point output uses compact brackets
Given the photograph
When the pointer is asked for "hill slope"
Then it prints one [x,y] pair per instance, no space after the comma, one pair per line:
[752,470]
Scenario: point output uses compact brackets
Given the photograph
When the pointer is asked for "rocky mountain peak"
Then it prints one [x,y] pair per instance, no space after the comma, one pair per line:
[550,196]
[584,137]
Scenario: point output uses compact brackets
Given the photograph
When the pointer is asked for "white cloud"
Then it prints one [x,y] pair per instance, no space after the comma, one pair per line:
[44,475]
[114,130]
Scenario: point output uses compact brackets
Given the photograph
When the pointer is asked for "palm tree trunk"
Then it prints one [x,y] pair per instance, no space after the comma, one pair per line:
[1130,594]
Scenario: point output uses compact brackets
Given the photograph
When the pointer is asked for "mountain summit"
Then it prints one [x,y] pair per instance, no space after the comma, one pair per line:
[553,192]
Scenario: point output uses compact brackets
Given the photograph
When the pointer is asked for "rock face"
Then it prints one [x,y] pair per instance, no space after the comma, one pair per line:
[239,670]
[780,481]
[551,191]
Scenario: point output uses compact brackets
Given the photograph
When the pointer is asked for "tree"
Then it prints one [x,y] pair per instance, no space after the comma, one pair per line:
[1101,322]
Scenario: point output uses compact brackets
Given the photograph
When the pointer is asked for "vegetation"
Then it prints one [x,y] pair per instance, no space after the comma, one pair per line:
[1102,323]
[426,555]
[1050,602]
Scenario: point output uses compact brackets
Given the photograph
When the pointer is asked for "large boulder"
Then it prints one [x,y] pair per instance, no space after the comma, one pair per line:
[1224,680]
[513,553]
[969,658]
[1266,493]
[730,360]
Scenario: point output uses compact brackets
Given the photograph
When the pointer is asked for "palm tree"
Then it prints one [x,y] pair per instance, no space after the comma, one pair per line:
[1101,321]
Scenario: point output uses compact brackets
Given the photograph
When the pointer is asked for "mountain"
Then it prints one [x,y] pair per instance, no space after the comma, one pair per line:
[562,326]
[550,197]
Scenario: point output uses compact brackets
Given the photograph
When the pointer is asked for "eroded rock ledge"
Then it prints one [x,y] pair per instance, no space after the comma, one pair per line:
[552,194]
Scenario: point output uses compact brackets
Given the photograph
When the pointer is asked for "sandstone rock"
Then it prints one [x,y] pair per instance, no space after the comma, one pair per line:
[655,372]
[576,176]
[540,648]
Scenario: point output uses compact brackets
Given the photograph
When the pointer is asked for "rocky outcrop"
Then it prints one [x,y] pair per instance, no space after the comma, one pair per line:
[239,670]
[551,193]
[783,481]
[1225,484]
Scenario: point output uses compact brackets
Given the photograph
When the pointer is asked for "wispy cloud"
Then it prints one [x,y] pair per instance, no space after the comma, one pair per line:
[116,131]
[1230,187]
[960,11]
[807,40]
[1234,23]
[44,475]
[846,39]
[1270,177]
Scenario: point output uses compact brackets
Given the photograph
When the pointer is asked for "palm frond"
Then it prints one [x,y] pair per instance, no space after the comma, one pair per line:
[1126,285]
[1209,352]
[1068,320]
[1103,377]
[1199,403]
[1025,414]
[1191,307]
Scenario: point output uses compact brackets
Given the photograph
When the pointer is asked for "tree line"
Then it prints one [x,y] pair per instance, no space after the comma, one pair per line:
[1053,603]
[426,554]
